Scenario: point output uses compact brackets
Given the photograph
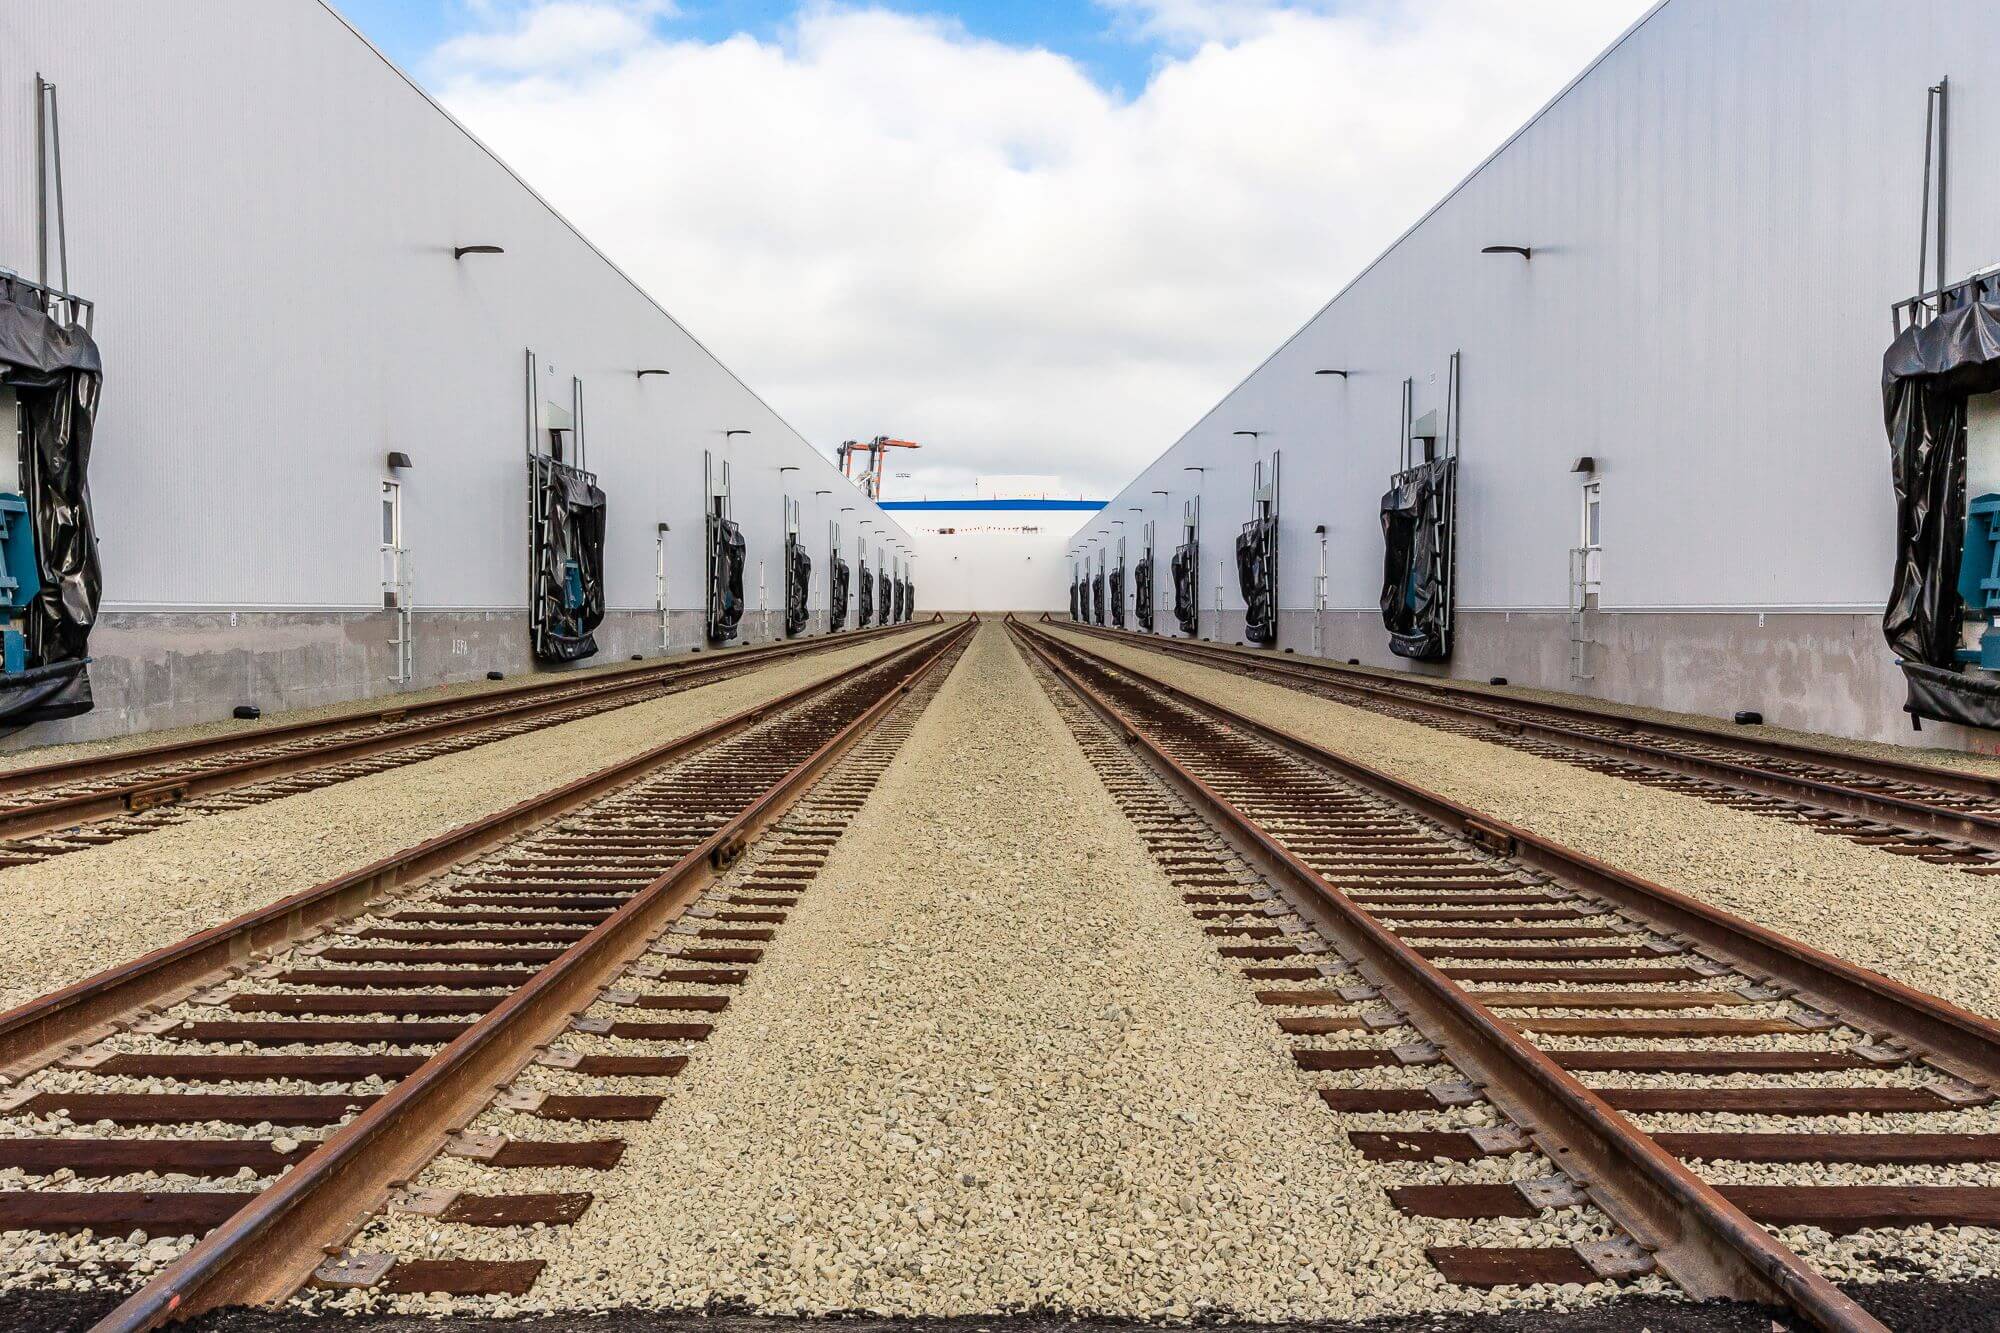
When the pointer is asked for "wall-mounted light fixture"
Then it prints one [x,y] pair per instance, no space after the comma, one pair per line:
[845,509]
[398,460]
[1521,250]
[824,493]
[788,469]
[1320,531]
[461,251]
[1341,373]
[644,373]
[1194,469]
[1163,492]
[1253,434]
[726,434]
[1584,464]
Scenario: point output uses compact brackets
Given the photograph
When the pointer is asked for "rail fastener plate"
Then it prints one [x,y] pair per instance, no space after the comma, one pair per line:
[422,1200]
[1498,1139]
[1553,1191]
[146,798]
[478,1147]
[1416,1053]
[1615,1257]
[351,1269]
[1882,1052]
[1455,1092]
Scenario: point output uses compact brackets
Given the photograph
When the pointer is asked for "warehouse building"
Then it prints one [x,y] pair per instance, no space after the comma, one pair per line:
[1002,548]
[342,346]
[1630,378]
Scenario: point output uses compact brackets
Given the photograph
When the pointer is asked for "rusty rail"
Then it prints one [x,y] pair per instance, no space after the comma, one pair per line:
[461,715]
[1966,1043]
[269,1247]
[1560,722]
[38,1031]
[1706,1244]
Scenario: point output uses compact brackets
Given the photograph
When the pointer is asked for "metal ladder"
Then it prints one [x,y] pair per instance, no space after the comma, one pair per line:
[396,595]
[1580,642]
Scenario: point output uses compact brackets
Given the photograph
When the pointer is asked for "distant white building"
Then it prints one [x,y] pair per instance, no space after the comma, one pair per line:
[1004,549]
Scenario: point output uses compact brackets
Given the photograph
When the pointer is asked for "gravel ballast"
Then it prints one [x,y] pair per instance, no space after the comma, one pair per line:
[79,913]
[1929,926]
[992,1064]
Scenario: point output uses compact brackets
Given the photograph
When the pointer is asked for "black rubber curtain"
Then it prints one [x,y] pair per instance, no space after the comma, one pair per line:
[866,602]
[57,375]
[1417,514]
[1257,577]
[798,581]
[1097,598]
[1927,375]
[1118,595]
[836,595]
[1186,568]
[884,601]
[569,564]
[1142,592]
[725,571]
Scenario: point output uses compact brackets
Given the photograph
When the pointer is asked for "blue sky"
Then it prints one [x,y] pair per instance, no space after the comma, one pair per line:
[1114,52]
[1040,236]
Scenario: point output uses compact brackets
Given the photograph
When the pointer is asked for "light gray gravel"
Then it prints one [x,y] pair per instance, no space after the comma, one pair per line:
[71,916]
[1929,926]
[990,1064]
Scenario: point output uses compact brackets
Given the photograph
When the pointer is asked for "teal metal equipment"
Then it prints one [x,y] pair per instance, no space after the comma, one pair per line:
[1979,579]
[20,578]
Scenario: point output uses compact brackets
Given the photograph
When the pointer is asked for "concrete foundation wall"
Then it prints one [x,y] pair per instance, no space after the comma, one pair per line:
[1813,672]
[169,669]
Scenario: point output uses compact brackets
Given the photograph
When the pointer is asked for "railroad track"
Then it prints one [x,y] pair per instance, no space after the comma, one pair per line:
[514,968]
[1579,1046]
[1934,814]
[48,810]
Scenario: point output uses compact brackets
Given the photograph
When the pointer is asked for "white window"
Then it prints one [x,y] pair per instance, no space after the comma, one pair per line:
[395,574]
[1593,534]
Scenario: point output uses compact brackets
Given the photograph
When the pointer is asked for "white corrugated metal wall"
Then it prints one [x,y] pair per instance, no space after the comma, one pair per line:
[1721,212]
[265,212]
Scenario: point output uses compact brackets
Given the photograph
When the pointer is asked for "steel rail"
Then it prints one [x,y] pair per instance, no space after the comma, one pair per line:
[1979,830]
[1964,1043]
[43,1029]
[272,1244]
[1706,1244]
[517,703]
[1422,690]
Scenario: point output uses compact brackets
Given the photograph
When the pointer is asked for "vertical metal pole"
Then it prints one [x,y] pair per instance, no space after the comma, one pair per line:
[62,224]
[1943,174]
[42,181]
[1924,224]
[576,418]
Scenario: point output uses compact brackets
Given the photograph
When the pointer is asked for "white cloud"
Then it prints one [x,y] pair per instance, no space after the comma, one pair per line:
[554,36]
[886,225]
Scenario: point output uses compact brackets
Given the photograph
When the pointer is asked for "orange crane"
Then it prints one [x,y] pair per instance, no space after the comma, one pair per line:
[877,449]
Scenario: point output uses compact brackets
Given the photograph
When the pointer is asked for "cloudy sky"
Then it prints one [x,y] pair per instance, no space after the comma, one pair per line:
[1039,237]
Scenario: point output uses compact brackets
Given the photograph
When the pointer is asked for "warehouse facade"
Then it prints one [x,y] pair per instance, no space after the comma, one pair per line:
[1000,549]
[332,326]
[1651,327]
